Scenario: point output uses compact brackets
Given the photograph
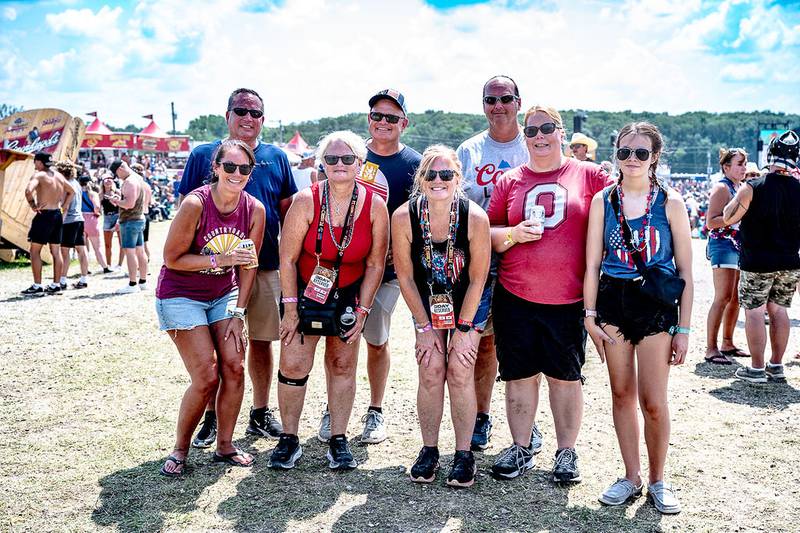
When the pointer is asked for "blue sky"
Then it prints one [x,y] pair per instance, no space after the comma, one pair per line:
[313,58]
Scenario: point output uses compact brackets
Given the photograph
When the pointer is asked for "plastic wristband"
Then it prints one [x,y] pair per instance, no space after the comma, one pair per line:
[509,239]
[292,300]
[363,310]
[674,330]
[590,312]
[462,322]
[213,261]
[423,329]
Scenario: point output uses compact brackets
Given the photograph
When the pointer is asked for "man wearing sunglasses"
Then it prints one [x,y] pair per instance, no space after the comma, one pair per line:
[272,183]
[484,158]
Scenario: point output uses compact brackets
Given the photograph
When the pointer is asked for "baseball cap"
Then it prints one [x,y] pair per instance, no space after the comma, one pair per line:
[390,94]
[44,157]
[115,166]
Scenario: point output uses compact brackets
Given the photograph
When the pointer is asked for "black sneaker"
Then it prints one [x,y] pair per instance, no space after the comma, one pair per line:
[426,465]
[264,424]
[565,469]
[33,290]
[52,289]
[107,271]
[80,285]
[208,431]
[514,461]
[286,453]
[63,285]
[339,455]
[482,432]
[462,473]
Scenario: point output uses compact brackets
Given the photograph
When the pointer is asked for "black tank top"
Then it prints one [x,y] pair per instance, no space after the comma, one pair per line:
[461,249]
[770,229]
[108,207]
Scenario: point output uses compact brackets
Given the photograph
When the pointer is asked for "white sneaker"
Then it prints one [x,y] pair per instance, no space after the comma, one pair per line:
[324,433]
[374,428]
[143,286]
[127,289]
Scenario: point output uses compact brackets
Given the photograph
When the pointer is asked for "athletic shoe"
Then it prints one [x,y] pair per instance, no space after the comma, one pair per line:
[482,432]
[63,285]
[143,286]
[462,473]
[286,453]
[339,455]
[663,496]
[374,428]
[565,468]
[127,289]
[620,492]
[208,431]
[52,289]
[751,375]
[426,465]
[33,290]
[536,439]
[514,461]
[324,433]
[107,270]
[80,285]
[264,424]
[775,373]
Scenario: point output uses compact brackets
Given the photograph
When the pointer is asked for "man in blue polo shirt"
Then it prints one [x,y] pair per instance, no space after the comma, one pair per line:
[272,184]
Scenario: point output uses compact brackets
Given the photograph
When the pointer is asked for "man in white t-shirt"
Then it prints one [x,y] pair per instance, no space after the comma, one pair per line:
[305,174]
[485,157]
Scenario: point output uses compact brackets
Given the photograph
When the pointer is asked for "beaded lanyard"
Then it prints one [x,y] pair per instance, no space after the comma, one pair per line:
[349,221]
[425,223]
[643,234]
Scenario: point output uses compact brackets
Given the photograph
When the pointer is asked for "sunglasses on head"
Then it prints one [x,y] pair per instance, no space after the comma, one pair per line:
[242,111]
[505,99]
[377,117]
[444,175]
[642,154]
[230,168]
[547,128]
[333,159]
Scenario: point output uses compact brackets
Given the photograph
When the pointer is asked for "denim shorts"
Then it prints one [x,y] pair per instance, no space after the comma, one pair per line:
[185,313]
[132,232]
[109,221]
[484,311]
[722,253]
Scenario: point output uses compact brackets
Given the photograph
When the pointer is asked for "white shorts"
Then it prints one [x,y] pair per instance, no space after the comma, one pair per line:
[376,329]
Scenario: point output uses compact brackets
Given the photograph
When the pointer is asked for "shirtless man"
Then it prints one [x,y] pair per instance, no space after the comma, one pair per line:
[44,194]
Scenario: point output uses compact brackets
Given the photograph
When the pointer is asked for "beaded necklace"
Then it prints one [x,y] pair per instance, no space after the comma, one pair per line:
[641,243]
[425,223]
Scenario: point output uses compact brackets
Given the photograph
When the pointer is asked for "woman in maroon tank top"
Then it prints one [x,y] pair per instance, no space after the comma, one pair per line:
[201,297]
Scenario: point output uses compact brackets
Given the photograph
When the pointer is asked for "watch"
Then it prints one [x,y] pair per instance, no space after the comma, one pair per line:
[464,326]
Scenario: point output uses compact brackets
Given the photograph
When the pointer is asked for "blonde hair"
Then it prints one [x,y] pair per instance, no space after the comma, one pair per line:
[429,156]
[551,112]
[353,141]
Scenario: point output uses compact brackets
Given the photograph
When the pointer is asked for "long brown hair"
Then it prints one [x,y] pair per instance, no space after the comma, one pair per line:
[726,156]
[223,148]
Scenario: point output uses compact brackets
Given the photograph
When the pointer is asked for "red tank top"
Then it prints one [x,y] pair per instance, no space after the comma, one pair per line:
[354,260]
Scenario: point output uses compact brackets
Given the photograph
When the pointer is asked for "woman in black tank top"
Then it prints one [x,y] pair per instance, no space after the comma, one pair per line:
[441,251]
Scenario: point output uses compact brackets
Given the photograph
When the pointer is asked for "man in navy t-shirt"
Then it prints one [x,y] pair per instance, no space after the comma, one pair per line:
[272,184]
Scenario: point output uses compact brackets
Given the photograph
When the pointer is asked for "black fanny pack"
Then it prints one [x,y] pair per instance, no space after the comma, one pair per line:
[333,318]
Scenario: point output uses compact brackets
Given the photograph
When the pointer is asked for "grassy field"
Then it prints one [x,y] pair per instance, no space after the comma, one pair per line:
[89,391]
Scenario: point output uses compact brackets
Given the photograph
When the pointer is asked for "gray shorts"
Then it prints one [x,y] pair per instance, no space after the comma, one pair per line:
[376,329]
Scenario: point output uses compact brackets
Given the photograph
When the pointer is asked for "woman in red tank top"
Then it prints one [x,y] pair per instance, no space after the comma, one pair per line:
[354,228]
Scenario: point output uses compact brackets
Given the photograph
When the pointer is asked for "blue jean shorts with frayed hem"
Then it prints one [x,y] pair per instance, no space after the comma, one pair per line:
[185,313]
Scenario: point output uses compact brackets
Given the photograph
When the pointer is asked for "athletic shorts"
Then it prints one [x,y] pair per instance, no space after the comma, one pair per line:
[620,303]
[758,288]
[46,227]
[91,224]
[263,316]
[722,253]
[536,338]
[376,328]
[110,221]
[132,233]
[146,232]
[72,234]
[185,313]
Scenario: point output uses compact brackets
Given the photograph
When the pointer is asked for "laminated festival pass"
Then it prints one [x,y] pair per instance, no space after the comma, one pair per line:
[442,313]
[320,284]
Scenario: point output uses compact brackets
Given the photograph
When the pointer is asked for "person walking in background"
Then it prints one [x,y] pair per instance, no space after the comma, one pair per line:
[90,209]
[111,221]
[72,229]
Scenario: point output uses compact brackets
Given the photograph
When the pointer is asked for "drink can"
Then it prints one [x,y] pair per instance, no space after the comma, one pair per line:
[537,214]
[248,244]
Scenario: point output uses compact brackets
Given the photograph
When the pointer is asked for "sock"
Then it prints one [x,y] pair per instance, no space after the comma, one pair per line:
[482,417]
[142,281]
[132,283]
[761,368]
[211,414]
[338,437]
[37,285]
[258,413]
[63,279]
[83,279]
[376,409]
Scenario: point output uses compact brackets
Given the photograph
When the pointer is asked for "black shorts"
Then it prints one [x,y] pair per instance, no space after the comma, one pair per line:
[621,303]
[536,338]
[146,232]
[72,235]
[46,227]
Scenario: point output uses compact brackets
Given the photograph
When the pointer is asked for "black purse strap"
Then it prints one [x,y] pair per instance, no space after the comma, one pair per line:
[613,197]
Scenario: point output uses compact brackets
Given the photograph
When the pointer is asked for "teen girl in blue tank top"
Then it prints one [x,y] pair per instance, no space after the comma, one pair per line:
[637,337]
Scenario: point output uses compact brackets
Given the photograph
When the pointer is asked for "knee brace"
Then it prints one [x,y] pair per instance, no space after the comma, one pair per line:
[294,382]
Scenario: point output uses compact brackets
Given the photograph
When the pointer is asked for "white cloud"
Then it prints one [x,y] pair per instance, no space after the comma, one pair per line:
[100,25]
[9,13]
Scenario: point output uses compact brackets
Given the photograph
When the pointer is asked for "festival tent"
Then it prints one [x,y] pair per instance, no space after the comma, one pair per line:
[98,136]
[293,158]
[153,139]
[297,144]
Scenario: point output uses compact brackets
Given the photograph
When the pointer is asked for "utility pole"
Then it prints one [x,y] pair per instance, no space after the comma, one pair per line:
[174,116]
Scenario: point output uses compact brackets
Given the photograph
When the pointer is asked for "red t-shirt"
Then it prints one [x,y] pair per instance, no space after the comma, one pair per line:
[550,270]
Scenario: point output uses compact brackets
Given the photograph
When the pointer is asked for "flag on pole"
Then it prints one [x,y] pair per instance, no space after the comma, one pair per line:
[149,117]
[92,114]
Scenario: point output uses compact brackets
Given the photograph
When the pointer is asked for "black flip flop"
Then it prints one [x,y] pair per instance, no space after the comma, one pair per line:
[735,352]
[178,462]
[718,360]
[228,458]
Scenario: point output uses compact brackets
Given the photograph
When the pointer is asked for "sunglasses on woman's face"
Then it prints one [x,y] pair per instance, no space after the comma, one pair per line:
[547,128]
[241,111]
[377,117]
[505,99]
[230,168]
[333,159]
[642,154]
[444,175]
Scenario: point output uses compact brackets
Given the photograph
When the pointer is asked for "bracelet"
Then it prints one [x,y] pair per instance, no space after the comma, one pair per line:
[213,261]
[674,330]
[422,329]
[289,300]
[363,310]
[590,312]
[462,322]
[509,239]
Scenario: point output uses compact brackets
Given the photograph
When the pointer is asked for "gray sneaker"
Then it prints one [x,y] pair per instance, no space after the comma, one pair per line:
[663,496]
[536,439]
[620,492]
[775,373]
[751,375]
[374,428]
[324,433]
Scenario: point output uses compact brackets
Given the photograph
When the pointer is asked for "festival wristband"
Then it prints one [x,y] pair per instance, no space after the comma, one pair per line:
[363,310]
[674,330]
[509,239]
[590,312]
[213,261]
[292,300]
[422,329]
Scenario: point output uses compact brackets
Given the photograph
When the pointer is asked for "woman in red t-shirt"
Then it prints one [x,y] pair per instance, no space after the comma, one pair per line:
[320,261]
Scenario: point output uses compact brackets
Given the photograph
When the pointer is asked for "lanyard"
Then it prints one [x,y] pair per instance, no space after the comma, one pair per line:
[425,223]
[644,232]
[347,230]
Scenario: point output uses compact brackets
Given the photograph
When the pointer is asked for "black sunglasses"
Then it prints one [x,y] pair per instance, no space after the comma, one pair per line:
[547,128]
[642,154]
[242,111]
[333,159]
[444,175]
[230,168]
[505,99]
[377,117]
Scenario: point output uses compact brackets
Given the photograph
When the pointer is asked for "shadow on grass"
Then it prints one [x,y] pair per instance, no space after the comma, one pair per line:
[765,395]
[98,296]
